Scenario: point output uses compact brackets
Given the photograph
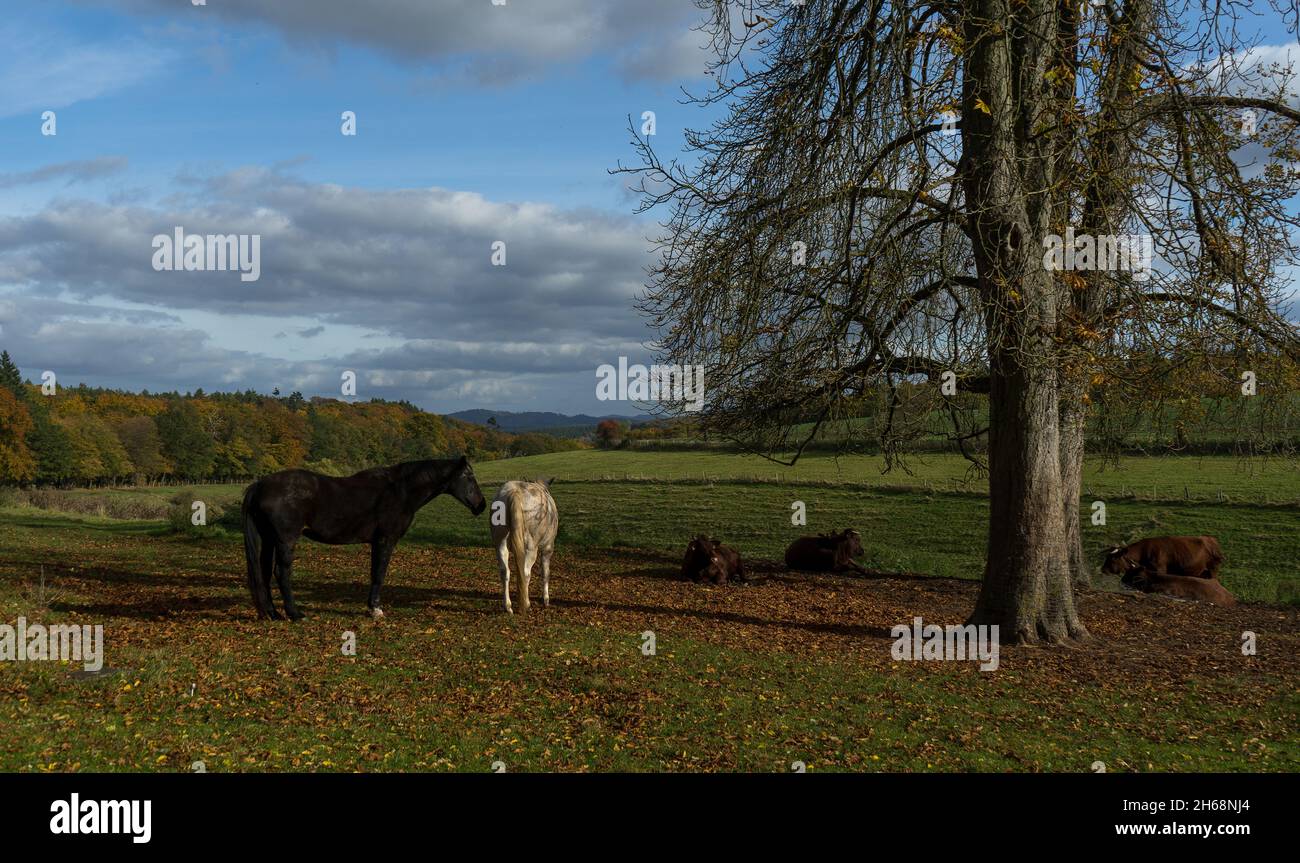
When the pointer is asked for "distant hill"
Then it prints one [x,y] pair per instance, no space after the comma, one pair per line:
[563,425]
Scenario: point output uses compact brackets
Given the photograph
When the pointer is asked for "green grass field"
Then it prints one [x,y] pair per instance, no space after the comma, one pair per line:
[928,519]
[750,677]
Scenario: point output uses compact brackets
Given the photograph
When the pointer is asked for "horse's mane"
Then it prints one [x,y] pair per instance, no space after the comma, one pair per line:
[439,466]
[434,471]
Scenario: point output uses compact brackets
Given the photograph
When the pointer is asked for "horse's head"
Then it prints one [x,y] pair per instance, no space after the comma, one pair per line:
[464,487]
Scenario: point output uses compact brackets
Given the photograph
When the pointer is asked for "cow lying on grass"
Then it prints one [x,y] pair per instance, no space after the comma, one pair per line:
[1180,586]
[827,552]
[1194,556]
[709,560]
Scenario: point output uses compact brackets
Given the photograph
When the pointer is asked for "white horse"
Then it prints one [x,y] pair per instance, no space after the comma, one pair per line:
[524,522]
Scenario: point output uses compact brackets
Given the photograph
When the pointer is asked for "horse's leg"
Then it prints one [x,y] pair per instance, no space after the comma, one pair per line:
[525,572]
[380,553]
[546,578]
[284,574]
[266,606]
[503,564]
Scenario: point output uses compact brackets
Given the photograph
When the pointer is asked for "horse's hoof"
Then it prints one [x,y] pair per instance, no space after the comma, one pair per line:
[376,613]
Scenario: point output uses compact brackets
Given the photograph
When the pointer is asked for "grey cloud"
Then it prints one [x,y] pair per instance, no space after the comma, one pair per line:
[108,352]
[112,352]
[414,263]
[81,170]
[472,39]
[407,264]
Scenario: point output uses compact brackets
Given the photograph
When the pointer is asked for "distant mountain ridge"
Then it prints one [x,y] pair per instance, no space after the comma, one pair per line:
[526,421]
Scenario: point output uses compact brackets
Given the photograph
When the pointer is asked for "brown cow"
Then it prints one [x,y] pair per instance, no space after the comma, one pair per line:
[1194,556]
[1181,586]
[709,560]
[827,552]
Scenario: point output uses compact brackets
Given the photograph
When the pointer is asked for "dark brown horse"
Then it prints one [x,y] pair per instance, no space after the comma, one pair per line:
[375,506]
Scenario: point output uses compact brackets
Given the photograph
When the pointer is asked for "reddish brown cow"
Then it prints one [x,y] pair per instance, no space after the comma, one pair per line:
[1194,556]
[1181,586]
[709,560]
[827,552]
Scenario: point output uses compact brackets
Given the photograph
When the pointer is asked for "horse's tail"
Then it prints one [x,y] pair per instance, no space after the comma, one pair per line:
[518,526]
[250,547]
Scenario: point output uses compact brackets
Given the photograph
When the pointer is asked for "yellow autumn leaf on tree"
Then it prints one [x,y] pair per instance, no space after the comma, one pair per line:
[980,106]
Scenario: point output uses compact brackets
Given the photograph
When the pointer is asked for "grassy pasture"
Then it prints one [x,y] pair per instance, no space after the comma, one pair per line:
[928,519]
[750,677]
[1259,480]
[745,677]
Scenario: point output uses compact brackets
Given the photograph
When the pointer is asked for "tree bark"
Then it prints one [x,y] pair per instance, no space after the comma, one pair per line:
[1008,177]
[1028,576]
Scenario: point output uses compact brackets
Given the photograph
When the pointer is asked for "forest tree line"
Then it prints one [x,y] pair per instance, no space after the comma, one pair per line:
[92,436]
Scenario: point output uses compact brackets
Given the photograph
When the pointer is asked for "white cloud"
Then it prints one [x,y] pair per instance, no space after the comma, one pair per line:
[44,71]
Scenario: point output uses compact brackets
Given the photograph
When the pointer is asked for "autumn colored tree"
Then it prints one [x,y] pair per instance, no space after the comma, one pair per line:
[332,438]
[284,437]
[90,435]
[609,432]
[425,436]
[139,436]
[98,455]
[17,464]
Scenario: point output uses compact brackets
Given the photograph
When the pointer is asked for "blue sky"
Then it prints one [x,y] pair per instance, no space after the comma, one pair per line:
[187,89]
[174,113]
[475,123]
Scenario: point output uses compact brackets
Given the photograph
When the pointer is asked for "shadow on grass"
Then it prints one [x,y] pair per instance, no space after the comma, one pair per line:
[348,598]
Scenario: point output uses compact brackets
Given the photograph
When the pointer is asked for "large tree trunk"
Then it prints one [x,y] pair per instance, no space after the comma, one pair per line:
[1027,589]
[1008,176]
